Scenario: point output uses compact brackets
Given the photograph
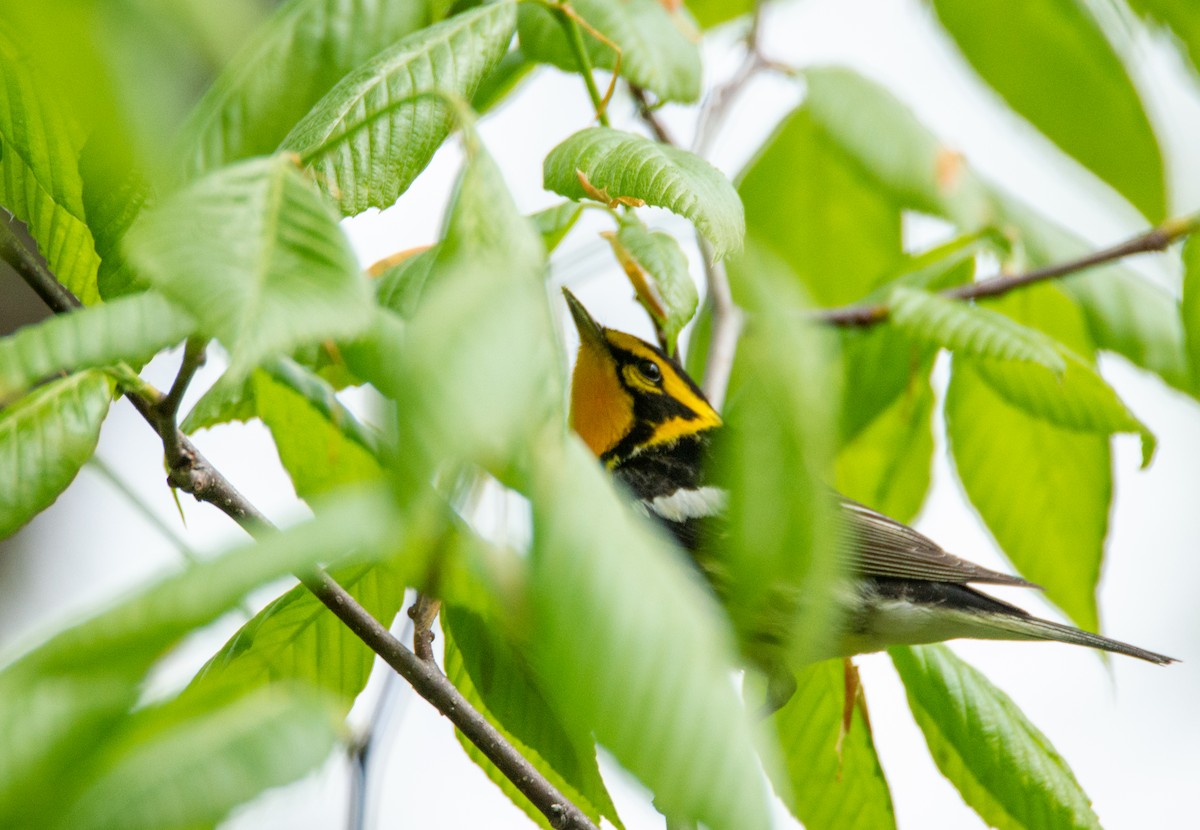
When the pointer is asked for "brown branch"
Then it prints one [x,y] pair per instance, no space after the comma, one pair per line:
[649,116]
[422,612]
[167,409]
[1159,238]
[193,473]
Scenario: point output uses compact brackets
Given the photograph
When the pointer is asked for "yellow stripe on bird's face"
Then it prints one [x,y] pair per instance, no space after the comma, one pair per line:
[627,396]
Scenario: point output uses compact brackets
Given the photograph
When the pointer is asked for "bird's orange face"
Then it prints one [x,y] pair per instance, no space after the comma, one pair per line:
[628,396]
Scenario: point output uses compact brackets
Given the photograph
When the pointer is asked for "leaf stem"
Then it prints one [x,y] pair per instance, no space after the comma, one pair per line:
[194,474]
[566,17]
[864,315]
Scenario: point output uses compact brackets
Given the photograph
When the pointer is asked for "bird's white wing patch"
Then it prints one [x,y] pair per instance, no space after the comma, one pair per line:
[686,503]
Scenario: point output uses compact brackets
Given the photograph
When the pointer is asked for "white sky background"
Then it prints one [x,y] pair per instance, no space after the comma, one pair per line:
[1128,729]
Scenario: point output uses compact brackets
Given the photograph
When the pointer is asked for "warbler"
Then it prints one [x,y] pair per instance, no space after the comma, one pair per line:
[652,427]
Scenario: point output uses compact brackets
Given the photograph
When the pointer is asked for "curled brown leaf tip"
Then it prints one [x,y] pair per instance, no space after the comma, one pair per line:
[601,195]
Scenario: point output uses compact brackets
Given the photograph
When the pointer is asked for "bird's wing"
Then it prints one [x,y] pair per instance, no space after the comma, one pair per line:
[874,545]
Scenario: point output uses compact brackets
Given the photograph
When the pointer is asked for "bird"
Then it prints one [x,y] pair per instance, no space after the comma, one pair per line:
[652,427]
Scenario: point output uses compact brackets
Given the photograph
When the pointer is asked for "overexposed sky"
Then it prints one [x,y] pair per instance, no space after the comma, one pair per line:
[1129,730]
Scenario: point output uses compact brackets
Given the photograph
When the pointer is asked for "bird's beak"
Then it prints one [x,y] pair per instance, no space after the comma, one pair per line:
[589,329]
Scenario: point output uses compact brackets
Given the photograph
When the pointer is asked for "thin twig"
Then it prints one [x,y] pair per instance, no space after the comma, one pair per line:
[168,407]
[725,328]
[197,476]
[716,106]
[649,116]
[1155,239]
[363,751]
[31,268]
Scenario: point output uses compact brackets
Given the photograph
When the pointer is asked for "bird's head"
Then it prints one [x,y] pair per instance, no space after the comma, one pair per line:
[628,396]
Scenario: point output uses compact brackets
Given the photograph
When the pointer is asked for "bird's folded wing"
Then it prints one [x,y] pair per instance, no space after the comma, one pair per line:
[874,545]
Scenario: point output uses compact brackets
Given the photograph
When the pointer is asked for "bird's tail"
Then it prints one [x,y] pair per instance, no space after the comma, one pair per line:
[1038,629]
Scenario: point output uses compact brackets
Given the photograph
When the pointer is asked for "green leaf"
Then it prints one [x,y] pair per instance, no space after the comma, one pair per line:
[1051,62]
[40,182]
[888,465]
[48,724]
[620,165]
[775,568]
[296,638]
[69,692]
[650,623]
[45,438]
[114,193]
[367,140]
[176,767]
[1191,306]
[1054,533]
[512,70]
[817,210]
[880,362]
[658,269]
[917,170]
[492,675]
[289,63]
[257,256]
[483,332]
[399,288]
[828,782]
[659,49]
[1182,18]
[134,634]
[970,330]
[1003,766]
[1079,399]
[317,446]
[1125,313]
[229,400]
[554,223]
[131,329]
[709,13]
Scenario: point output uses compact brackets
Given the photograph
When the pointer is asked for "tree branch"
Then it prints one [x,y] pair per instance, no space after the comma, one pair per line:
[725,329]
[1156,239]
[167,409]
[191,472]
[30,267]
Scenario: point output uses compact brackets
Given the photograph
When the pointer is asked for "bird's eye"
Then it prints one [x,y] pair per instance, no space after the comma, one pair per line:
[650,371]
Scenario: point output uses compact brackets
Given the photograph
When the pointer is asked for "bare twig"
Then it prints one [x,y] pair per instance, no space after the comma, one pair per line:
[649,116]
[391,702]
[422,612]
[167,409]
[716,106]
[1155,239]
[726,326]
[197,476]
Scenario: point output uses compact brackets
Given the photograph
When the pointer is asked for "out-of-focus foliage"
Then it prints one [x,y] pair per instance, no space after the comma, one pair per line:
[1003,766]
[183,167]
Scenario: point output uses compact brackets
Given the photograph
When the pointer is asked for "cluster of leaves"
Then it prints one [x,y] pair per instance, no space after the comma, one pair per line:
[230,234]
